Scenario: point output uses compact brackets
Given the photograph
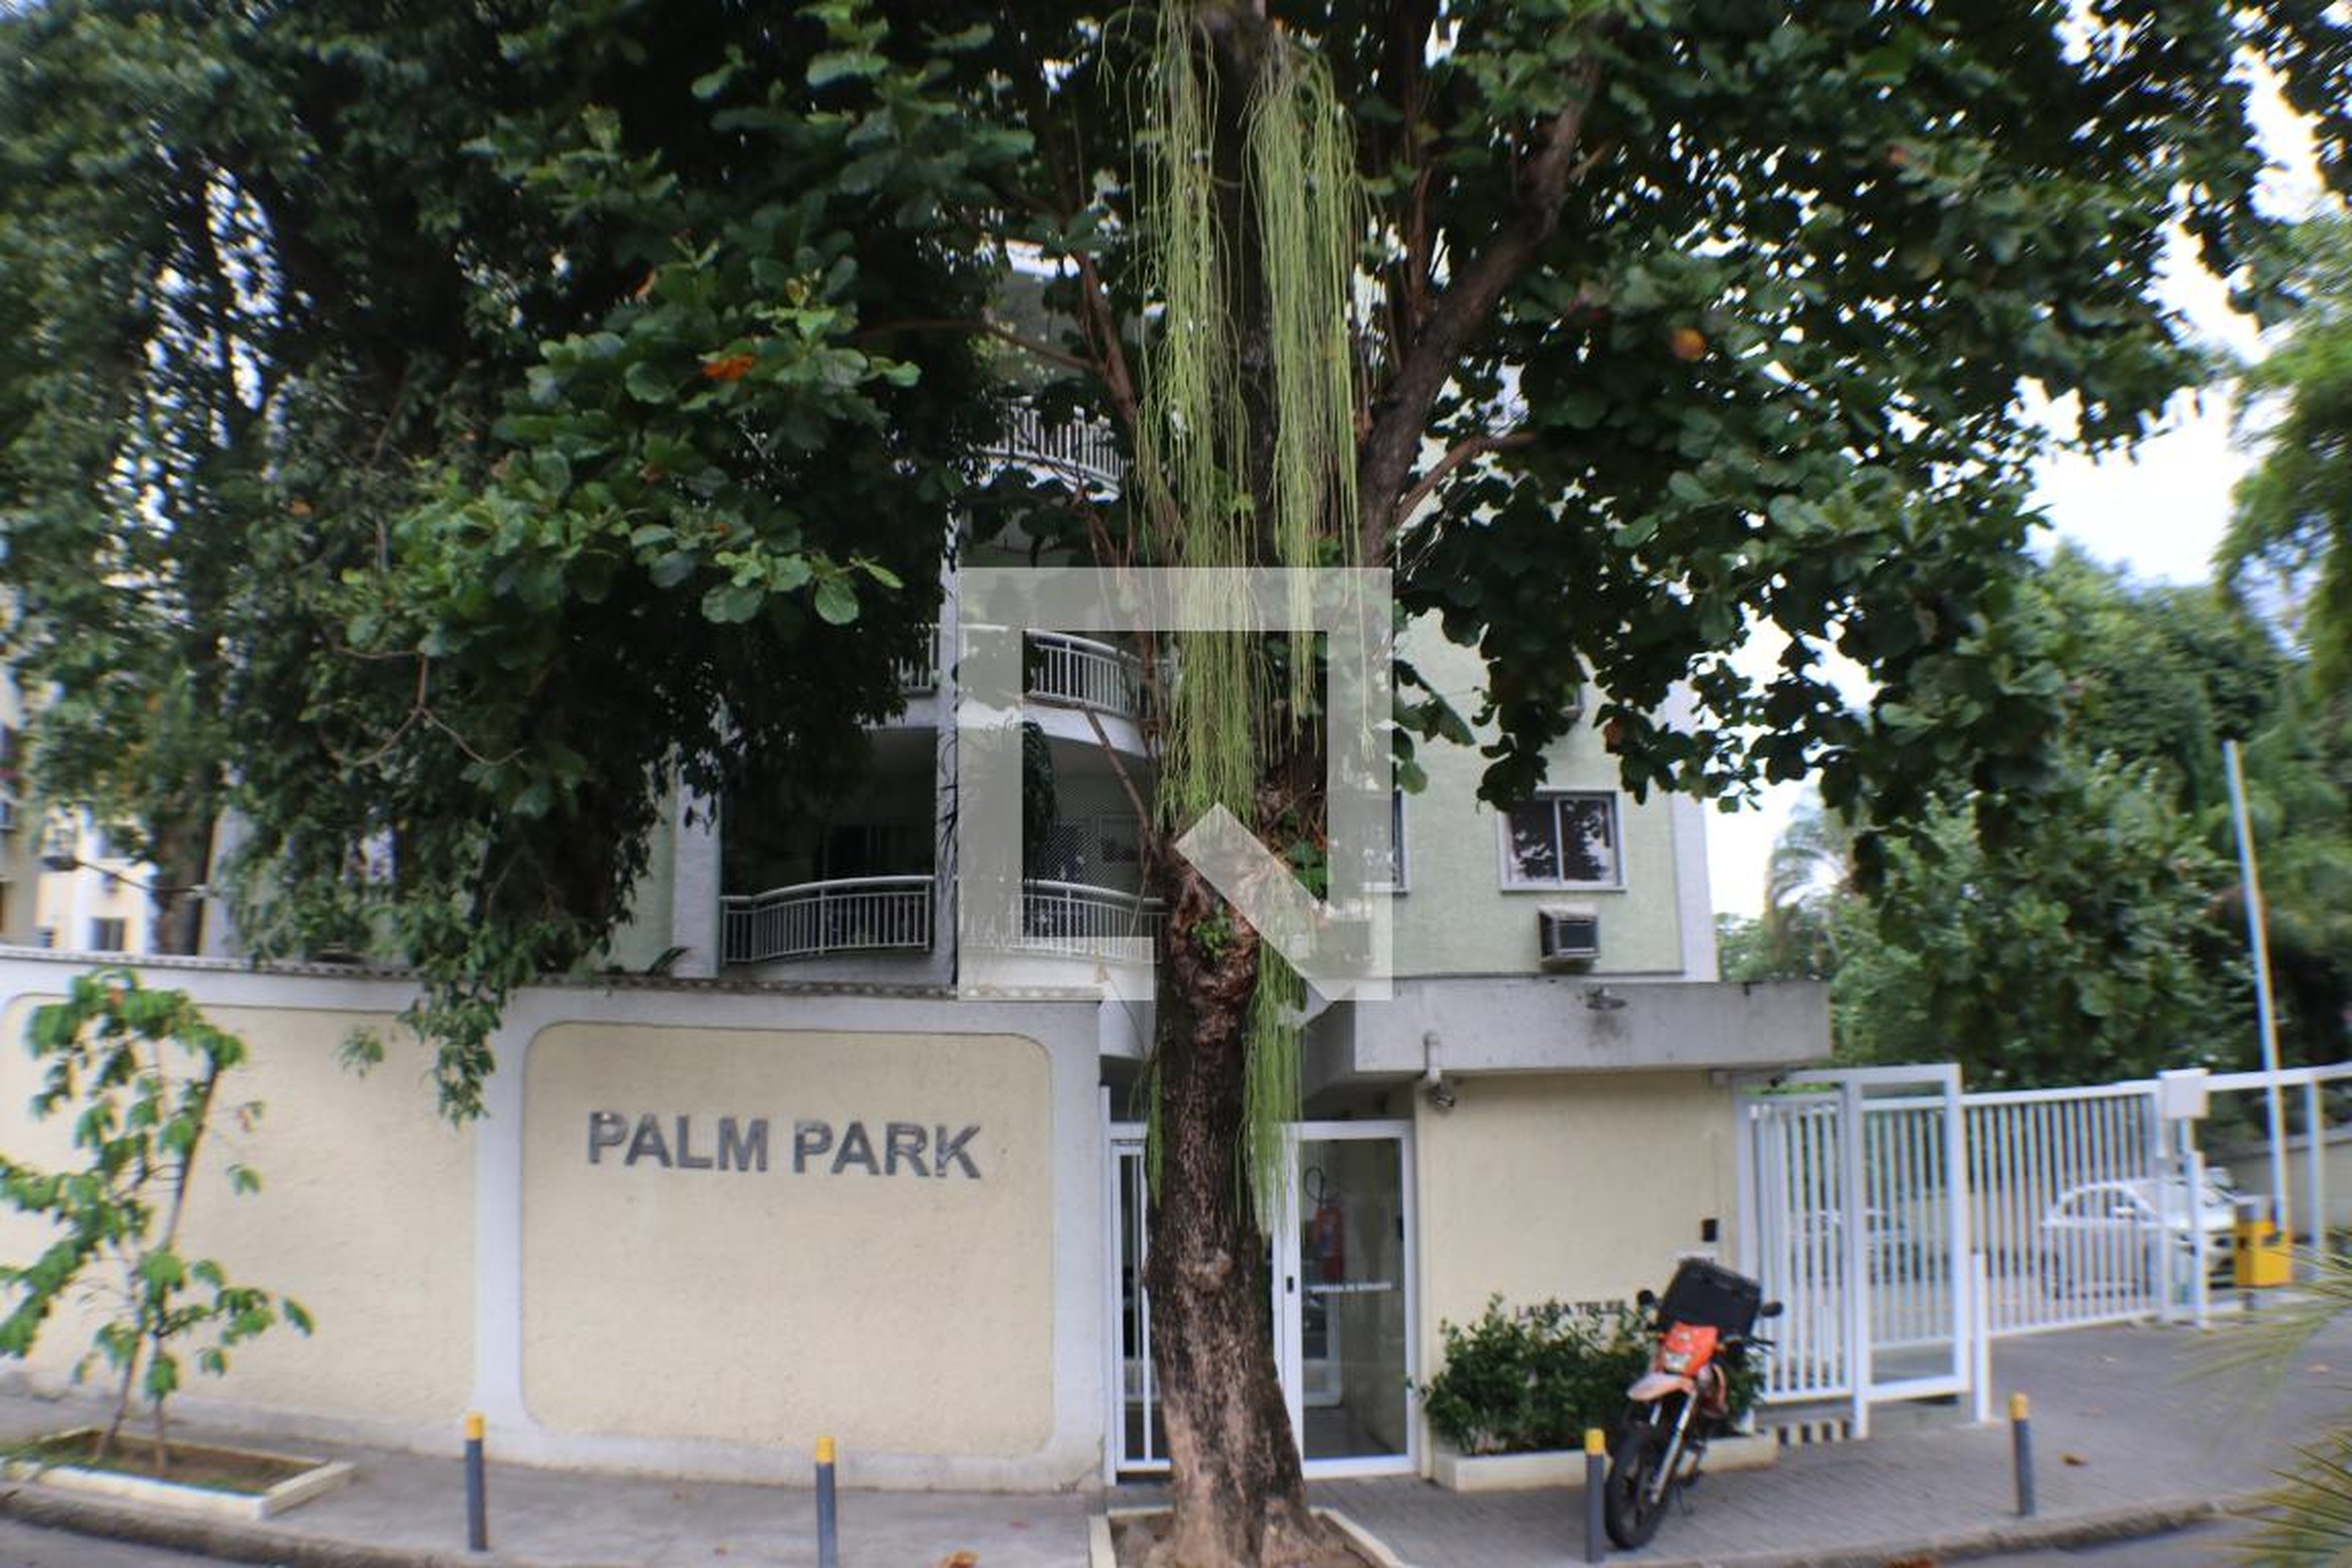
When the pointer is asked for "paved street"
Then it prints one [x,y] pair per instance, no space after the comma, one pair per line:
[2203,1547]
[23,1546]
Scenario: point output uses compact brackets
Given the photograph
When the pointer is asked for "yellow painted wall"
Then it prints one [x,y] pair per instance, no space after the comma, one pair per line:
[1581,1187]
[1456,917]
[366,1215]
[898,1312]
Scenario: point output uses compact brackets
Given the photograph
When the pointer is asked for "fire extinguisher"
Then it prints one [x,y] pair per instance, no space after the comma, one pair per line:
[1327,1236]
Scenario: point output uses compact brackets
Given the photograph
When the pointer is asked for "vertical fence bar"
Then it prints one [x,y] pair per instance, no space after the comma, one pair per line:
[2314,1170]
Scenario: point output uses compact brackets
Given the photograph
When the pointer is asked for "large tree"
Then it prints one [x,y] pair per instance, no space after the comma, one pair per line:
[1663,318]
[432,431]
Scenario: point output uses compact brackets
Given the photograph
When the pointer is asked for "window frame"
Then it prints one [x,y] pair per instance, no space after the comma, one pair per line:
[1506,863]
[1401,863]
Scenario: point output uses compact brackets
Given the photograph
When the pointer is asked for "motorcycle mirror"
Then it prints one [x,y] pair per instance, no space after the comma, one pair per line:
[1768,1310]
[1646,1300]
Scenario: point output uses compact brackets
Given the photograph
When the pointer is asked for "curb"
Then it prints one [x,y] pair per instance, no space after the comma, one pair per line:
[238,1541]
[235,1541]
[2128,1523]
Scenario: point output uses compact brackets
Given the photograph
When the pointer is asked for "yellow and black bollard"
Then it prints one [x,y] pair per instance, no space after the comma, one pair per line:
[478,1500]
[828,1524]
[1596,1475]
[2020,1436]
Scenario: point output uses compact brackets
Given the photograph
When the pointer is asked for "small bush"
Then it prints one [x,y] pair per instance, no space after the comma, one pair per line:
[1533,1380]
[1526,1381]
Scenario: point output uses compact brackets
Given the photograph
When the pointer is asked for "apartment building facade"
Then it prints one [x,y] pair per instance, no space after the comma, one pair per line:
[784,1171]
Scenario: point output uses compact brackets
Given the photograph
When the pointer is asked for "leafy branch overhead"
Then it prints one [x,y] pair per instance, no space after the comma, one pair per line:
[427,436]
[139,1072]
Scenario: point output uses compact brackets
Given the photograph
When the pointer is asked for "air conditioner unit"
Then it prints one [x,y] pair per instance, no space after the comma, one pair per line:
[1568,939]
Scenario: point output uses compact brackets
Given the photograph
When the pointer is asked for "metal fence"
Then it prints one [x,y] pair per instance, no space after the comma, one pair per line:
[1087,922]
[1084,673]
[850,915]
[2070,1202]
[1086,448]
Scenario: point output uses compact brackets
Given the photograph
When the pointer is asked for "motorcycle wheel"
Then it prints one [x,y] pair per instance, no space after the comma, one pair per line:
[1626,1507]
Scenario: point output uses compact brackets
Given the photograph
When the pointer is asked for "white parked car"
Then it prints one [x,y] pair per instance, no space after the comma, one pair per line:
[2105,1235]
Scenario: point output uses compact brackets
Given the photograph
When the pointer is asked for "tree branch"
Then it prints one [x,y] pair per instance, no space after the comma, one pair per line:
[957,324]
[1463,452]
[1401,414]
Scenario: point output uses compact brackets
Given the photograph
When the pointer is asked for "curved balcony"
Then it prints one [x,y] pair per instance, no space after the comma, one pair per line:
[1086,921]
[1064,670]
[853,914]
[1079,672]
[1081,449]
[886,914]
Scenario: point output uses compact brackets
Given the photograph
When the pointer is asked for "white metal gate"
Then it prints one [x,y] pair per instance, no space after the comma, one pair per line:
[1854,1215]
[2070,1196]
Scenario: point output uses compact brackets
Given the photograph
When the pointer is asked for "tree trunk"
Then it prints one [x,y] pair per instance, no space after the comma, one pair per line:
[1239,1497]
[182,862]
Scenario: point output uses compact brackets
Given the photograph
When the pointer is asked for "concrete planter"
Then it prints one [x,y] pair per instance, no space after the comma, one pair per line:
[1100,1553]
[183,1497]
[1565,1467]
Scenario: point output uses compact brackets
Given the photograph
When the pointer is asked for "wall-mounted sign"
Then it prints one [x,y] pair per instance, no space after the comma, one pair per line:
[818,1147]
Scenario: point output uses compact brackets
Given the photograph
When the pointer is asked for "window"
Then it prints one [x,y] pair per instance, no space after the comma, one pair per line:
[1390,871]
[1561,841]
[108,935]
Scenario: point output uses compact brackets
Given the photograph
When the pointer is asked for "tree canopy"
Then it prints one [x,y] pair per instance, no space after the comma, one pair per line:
[2294,510]
[426,432]
[2102,934]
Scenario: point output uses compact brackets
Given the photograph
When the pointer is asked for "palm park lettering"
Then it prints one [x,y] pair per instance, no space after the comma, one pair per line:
[741,1144]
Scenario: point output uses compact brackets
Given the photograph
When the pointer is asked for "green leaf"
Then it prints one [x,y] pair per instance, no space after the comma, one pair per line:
[730,604]
[646,384]
[837,602]
[839,65]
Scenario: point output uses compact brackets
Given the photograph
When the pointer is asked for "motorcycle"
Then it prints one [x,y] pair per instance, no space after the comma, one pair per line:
[1706,1328]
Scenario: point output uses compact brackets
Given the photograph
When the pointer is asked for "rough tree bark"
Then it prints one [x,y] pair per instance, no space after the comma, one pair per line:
[1236,1486]
[1238,1493]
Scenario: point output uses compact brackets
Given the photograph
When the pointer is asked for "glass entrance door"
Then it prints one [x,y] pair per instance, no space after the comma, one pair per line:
[1344,1305]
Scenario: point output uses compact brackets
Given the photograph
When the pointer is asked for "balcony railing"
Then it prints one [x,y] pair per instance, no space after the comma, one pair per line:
[853,915]
[1067,671]
[885,914]
[1083,448]
[1088,921]
[920,674]
[1079,672]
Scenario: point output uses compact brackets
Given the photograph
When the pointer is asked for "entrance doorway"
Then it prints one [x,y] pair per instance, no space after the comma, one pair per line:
[1345,1307]
[1344,1304]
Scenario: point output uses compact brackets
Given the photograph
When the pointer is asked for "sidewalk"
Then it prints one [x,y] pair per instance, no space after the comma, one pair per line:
[2128,1440]
[2128,1437]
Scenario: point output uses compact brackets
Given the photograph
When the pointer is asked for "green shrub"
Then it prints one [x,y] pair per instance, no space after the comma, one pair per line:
[1526,1380]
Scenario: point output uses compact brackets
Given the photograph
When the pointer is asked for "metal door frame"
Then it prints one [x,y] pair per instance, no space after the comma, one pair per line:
[1122,1177]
